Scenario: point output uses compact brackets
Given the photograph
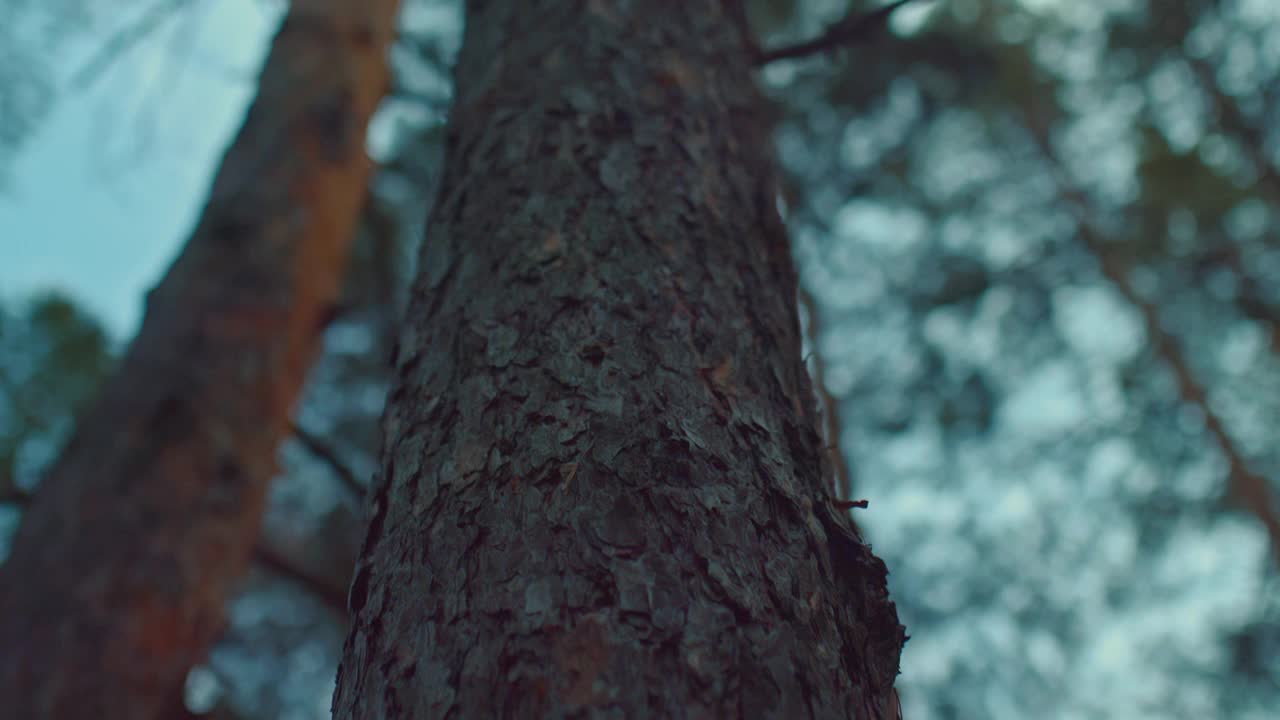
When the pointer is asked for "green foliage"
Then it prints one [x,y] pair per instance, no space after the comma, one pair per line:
[771,16]
[53,358]
[1183,180]
[1095,177]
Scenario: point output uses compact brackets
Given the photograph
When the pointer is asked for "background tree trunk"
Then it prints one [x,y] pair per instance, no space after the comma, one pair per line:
[119,572]
[602,486]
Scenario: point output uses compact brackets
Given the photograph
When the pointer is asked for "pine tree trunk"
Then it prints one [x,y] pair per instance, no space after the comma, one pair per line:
[118,575]
[602,490]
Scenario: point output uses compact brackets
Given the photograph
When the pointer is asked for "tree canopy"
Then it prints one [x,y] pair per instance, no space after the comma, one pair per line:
[1042,287]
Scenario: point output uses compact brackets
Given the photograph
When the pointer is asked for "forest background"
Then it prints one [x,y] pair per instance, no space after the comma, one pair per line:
[1041,267]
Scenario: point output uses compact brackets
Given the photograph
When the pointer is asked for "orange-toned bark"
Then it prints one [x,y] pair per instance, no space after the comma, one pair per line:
[120,570]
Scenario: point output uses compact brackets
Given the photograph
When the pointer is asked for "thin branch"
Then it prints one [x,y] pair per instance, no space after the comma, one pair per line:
[1248,488]
[322,451]
[849,30]
[1250,299]
[332,595]
[13,495]
[125,39]
[1252,140]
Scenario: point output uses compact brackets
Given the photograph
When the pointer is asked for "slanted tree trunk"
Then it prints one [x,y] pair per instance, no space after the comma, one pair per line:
[602,490]
[119,572]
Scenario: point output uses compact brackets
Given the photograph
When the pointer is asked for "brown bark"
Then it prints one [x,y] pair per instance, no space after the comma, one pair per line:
[601,491]
[119,572]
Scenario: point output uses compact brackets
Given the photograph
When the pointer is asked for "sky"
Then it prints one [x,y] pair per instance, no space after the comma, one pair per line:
[102,197]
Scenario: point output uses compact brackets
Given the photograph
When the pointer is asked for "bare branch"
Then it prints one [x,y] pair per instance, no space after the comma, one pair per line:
[125,39]
[322,451]
[1252,140]
[334,596]
[850,30]
[1230,117]
[1249,489]
[13,495]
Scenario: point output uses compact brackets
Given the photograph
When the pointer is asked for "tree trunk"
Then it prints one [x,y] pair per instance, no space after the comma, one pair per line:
[119,572]
[602,490]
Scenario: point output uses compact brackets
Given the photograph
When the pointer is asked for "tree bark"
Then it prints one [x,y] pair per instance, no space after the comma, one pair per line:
[602,490]
[120,570]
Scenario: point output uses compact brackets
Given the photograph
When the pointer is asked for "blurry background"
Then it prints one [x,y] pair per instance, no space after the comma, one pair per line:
[1040,250]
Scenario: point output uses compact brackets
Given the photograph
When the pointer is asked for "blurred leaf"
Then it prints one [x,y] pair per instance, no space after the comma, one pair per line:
[770,16]
[1172,180]
[950,279]
[53,358]
[969,406]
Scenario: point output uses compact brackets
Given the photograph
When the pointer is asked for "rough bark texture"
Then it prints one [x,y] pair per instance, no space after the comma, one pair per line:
[601,493]
[119,572]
